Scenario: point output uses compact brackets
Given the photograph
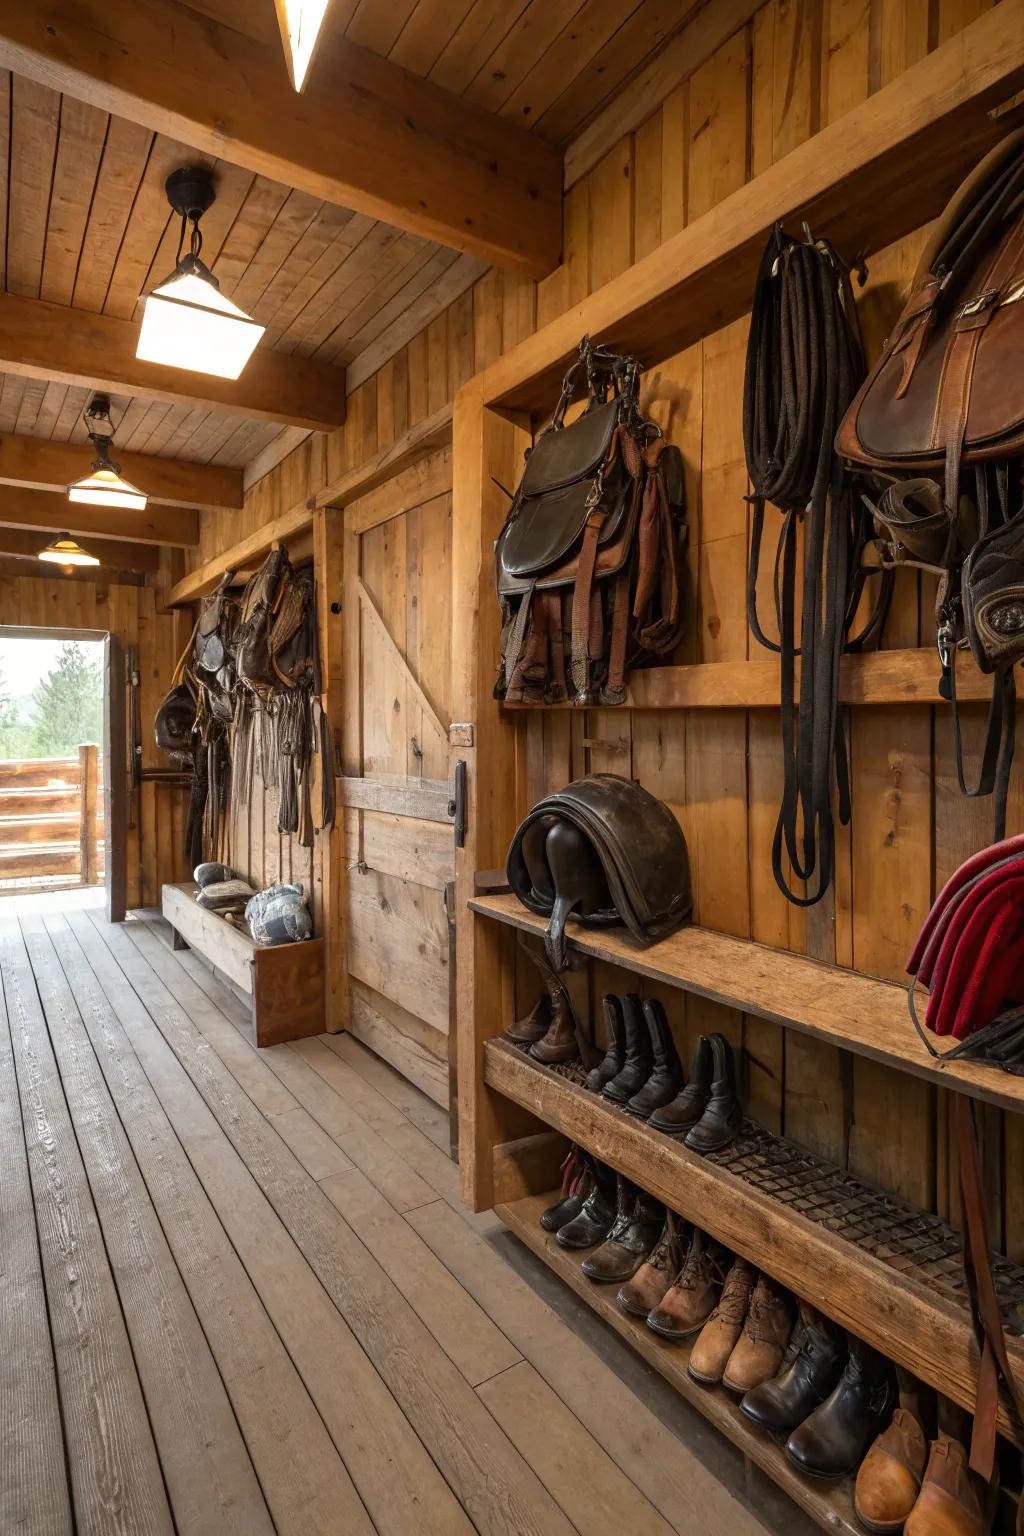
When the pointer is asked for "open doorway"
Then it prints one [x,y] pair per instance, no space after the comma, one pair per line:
[53,766]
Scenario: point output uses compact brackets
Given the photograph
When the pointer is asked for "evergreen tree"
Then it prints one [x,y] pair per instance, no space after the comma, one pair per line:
[68,705]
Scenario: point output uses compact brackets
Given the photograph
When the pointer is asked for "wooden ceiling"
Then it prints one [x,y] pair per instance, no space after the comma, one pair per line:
[84,220]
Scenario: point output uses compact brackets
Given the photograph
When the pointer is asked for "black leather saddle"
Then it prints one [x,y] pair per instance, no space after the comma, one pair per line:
[606,851]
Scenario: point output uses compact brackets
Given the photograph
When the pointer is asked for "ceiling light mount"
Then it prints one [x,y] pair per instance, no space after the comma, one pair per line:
[190,191]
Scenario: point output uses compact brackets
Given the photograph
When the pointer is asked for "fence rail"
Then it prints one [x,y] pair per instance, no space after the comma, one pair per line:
[51,819]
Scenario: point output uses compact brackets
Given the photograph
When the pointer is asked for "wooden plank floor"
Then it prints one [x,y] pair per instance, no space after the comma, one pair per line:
[239,1294]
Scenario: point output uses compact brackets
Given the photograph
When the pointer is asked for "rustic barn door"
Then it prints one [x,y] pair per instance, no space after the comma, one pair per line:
[398,764]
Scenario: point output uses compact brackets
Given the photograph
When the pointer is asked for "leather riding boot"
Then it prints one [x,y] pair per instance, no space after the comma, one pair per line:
[533,1026]
[722,1329]
[636,1067]
[577,1182]
[596,1216]
[682,1114]
[634,1234]
[666,1077]
[690,1301]
[832,1441]
[615,1052]
[559,1043]
[722,1120]
[889,1479]
[762,1344]
[808,1375]
[948,1504]
[642,1294]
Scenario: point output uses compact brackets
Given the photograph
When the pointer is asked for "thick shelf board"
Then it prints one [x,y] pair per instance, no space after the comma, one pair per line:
[877,677]
[909,1312]
[829,1503]
[852,182]
[847,1009]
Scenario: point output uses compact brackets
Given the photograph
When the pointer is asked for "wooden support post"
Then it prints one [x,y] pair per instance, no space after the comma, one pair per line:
[87,813]
[329,855]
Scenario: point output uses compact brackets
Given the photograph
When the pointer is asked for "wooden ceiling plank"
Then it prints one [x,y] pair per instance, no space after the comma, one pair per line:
[83,132]
[69,423]
[121,169]
[245,443]
[31,400]
[368,321]
[188,425]
[5,161]
[11,392]
[473,41]
[21,507]
[424,37]
[134,435]
[260,207]
[46,464]
[377,26]
[363,134]
[208,437]
[377,289]
[296,215]
[320,273]
[50,410]
[26,543]
[160,436]
[460,276]
[317,319]
[519,52]
[311,248]
[35,120]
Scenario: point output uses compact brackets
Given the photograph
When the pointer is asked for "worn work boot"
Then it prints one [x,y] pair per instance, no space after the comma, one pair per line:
[577,1182]
[681,1115]
[636,1066]
[642,1294]
[559,1043]
[615,1052]
[948,1504]
[690,1301]
[722,1119]
[762,1344]
[533,1026]
[666,1077]
[831,1441]
[596,1216]
[809,1374]
[889,1479]
[720,1333]
[634,1234]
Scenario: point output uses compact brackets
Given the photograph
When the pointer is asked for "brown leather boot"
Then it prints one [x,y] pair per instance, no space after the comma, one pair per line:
[533,1026]
[639,1220]
[721,1331]
[889,1478]
[948,1504]
[687,1305]
[762,1342]
[559,1043]
[647,1287]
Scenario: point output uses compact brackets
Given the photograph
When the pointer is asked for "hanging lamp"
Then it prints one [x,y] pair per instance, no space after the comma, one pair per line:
[65,552]
[187,322]
[104,485]
[300,22]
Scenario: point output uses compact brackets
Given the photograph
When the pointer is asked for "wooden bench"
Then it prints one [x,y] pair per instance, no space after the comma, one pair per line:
[284,982]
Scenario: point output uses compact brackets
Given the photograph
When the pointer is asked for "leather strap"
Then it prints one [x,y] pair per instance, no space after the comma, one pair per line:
[581,605]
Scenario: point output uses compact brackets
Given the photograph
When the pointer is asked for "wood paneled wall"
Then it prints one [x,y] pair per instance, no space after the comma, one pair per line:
[798,65]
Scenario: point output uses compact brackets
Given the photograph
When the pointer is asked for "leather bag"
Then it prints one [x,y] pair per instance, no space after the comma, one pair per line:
[607,852]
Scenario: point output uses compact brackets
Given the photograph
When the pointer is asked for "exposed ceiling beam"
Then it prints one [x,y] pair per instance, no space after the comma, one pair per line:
[39,340]
[51,512]
[40,462]
[114,554]
[364,134]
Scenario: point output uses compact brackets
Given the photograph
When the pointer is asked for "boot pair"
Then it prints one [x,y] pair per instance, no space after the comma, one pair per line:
[706,1115]
[549,1031]
[896,1491]
[677,1289]
[639,1218]
[577,1183]
[586,1215]
[744,1340]
[831,1398]
[641,1070]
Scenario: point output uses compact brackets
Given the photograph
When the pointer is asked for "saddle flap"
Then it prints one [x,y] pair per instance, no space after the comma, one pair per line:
[567,454]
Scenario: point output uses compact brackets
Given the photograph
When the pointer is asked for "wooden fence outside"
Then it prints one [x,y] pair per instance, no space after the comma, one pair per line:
[51,819]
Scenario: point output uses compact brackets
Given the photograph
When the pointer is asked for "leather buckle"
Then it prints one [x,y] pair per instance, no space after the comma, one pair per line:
[978,304]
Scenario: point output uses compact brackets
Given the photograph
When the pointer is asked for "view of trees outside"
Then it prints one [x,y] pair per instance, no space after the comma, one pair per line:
[51,697]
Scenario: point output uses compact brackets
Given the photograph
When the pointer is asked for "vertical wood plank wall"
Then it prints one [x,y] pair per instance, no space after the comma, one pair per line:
[798,65]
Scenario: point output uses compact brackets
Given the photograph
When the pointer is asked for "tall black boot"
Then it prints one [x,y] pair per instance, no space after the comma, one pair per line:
[833,1440]
[595,1220]
[722,1120]
[636,1067]
[681,1115]
[666,1078]
[615,1054]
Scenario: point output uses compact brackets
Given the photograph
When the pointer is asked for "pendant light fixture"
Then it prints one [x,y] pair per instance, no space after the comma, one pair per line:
[104,485]
[300,22]
[187,322]
[65,552]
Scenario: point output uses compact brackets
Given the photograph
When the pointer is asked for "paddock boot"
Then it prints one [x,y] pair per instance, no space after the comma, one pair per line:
[643,1293]
[948,1504]
[596,1215]
[722,1119]
[634,1234]
[832,1441]
[762,1344]
[559,1042]
[577,1182]
[533,1026]
[681,1115]
[637,1063]
[722,1330]
[808,1376]
[889,1479]
[690,1301]
[615,1054]
[666,1077]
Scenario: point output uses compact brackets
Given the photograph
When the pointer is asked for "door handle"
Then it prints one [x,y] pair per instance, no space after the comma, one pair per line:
[457,805]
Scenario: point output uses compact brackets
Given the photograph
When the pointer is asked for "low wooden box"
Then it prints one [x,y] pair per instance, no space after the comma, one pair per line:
[285,982]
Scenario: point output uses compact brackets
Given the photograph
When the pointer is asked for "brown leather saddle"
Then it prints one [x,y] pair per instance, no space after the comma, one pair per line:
[607,852]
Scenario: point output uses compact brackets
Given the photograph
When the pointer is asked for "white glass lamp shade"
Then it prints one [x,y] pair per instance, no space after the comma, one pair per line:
[104,487]
[188,323]
[64,551]
[300,22]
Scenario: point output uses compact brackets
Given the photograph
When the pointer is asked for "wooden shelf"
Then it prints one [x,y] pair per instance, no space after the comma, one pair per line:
[910,1313]
[844,1008]
[829,1503]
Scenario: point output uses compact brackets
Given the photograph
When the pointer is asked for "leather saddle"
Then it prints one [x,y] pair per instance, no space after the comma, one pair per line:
[607,852]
